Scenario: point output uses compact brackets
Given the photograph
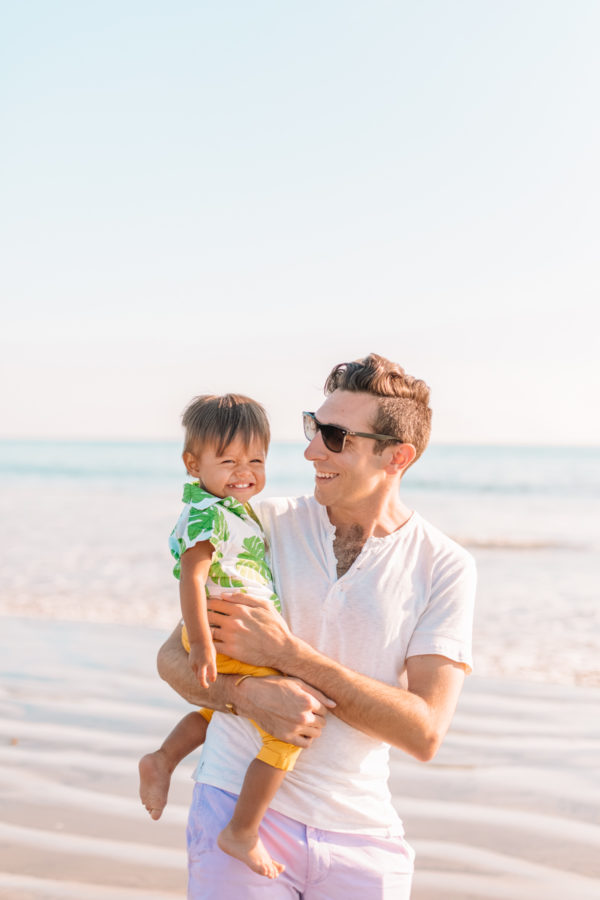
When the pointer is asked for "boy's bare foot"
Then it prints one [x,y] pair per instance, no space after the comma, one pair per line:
[155,780]
[250,850]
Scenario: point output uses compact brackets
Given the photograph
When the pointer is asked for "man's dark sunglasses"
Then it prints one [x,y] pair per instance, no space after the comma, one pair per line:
[333,436]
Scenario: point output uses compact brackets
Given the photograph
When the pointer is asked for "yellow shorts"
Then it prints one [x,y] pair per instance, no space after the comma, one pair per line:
[275,753]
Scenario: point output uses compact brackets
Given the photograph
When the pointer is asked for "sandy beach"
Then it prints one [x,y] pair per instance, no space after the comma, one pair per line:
[508,809]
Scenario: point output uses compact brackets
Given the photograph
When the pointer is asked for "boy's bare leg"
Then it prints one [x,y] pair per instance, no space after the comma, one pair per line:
[156,768]
[240,837]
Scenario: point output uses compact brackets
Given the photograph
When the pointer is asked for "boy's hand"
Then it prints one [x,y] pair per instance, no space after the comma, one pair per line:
[203,662]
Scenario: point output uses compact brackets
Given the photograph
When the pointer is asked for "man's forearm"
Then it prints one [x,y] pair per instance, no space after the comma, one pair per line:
[415,720]
[362,702]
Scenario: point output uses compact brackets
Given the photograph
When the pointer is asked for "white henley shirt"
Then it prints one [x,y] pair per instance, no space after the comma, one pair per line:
[406,594]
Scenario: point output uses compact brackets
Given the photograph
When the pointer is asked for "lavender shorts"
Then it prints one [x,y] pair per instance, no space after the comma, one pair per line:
[319,865]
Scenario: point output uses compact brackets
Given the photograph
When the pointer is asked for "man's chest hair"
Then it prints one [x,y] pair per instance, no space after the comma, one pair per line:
[347,546]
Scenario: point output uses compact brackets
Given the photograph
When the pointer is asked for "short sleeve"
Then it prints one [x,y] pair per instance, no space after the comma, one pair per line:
[198,522]
[445,627]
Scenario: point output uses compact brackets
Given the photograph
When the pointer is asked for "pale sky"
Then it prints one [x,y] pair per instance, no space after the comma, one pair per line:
[210,196]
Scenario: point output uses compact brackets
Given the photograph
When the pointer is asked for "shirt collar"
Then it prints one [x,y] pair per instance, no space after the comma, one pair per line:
[193,492]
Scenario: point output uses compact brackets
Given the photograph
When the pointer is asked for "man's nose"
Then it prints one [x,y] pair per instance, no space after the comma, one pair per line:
[316,449]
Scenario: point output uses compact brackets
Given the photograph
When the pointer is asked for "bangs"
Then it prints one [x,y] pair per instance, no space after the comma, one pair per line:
[220,420]
[239,423]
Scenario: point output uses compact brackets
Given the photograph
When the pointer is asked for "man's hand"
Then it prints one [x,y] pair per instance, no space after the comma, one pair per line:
[287,708]
[249,629]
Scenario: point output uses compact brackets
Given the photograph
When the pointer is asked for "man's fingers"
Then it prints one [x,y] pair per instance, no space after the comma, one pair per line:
[302,740]
[325,701]
[302,697]
[307,733]
[222,602]
[215,618]
[311,731]
[321,699]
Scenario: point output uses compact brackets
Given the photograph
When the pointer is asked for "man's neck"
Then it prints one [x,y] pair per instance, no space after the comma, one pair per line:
[376,517]
[354,526]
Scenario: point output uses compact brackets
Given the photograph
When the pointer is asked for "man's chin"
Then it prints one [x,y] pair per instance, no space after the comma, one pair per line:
[318,495]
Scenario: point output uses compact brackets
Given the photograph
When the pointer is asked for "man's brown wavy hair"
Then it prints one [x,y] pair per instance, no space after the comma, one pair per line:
[404,401]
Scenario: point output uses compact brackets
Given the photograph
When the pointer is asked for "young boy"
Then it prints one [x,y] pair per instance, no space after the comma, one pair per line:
[219,544]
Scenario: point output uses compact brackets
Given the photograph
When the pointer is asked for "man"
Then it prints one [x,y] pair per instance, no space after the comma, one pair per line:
[378,615]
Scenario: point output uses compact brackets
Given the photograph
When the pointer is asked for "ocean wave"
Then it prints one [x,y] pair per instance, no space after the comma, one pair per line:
[449,470]
[524,544]
[507,487]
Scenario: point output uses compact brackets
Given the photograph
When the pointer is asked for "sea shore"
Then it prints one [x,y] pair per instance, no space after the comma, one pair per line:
[508,809]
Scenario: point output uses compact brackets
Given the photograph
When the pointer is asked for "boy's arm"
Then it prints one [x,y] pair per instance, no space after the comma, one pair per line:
[285,707]
[195,565]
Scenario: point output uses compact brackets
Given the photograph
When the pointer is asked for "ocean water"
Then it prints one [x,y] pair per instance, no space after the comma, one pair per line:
[84,528]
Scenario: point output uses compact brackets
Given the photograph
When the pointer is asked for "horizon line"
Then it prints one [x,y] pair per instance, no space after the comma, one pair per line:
[521,444]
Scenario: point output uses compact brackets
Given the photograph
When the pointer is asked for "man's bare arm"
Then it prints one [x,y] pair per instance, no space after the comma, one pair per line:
[285,707]
[414,719]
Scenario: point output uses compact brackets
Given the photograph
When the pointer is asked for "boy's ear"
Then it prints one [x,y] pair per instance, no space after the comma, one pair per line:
[190,461]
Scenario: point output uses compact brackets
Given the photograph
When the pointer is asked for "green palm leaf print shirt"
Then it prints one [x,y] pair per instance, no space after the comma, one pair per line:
[239,561]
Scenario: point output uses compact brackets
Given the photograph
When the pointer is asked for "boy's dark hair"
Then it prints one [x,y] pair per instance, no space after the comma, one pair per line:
[217,421]
[404,401]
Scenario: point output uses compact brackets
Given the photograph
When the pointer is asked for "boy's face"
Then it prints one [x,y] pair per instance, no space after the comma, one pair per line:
[239,472]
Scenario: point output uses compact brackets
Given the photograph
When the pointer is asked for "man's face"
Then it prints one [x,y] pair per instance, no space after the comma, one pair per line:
[346,478]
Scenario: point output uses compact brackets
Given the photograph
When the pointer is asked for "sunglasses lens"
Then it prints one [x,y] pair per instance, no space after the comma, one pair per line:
[333,437]
[310,427]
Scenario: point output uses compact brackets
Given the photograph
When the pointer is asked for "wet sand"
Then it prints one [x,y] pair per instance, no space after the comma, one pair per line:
[508,809]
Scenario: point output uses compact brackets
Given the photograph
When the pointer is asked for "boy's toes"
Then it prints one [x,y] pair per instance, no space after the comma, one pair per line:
[276,869]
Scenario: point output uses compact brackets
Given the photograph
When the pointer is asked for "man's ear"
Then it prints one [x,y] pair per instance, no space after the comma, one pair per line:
[190,462]
[400,458]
